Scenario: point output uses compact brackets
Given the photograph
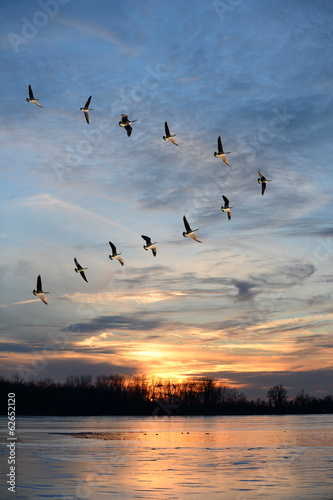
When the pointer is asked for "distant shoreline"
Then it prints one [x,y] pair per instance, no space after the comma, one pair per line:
[118,395]
[179,415]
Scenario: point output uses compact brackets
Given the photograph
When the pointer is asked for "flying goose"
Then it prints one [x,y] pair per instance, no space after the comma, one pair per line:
[221,154]
[263,181]
[189,231]
[86,109]
[125,122]
[149,245]
[115,255]
[226,207]
[168,136]
[80,269]
[39,290]
[31,97]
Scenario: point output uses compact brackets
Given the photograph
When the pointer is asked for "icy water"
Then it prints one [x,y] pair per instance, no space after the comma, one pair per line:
[223,458]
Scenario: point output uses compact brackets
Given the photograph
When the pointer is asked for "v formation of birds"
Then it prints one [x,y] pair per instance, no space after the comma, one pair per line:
[126,124]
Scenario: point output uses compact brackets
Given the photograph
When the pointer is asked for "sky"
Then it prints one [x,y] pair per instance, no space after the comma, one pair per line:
[251,305]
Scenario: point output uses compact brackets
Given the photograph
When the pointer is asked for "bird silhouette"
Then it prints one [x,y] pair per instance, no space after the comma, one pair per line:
[126,123]
[86,109]
[220,153]
[79,269]
[39,292]
[189,231]
[263,181]
[115,255]
[149,245]
[226,207]
[168,136]
[32,98]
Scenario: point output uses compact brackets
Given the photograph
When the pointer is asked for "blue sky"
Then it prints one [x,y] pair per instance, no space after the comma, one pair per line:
[251,304]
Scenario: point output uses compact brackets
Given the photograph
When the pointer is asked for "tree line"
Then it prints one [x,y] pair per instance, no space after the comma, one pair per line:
[139,395]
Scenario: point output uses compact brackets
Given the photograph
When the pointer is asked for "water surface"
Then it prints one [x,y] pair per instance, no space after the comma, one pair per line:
[222,458]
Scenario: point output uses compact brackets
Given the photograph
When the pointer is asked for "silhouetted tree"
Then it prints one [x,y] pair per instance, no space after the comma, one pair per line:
[277,395]
[302,399]
[137,395]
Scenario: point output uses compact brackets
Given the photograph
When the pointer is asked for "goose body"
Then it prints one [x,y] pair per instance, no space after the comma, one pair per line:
[126,123]
[115,255]
[39,292]
[220,153]
[188,231]
[149,245]
[32,98]
[79,269]
[263,181]
[86,109]
[226,207]
[168,136]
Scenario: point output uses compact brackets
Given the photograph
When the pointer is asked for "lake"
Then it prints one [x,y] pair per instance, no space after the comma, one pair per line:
[282,457]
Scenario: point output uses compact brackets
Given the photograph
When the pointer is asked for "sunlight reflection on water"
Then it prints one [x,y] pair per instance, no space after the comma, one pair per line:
[229,458]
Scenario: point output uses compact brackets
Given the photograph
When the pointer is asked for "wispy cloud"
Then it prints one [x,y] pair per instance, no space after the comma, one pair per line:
[25,302]
[144,297]
[96,30]
[47,201]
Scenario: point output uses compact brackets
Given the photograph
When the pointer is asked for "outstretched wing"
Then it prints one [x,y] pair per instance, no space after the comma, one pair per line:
[128,129]
[173,141]
[123,118]
[86,114]
[262,177]
[153,249]
[186,224]
[229,215]
[167,132]
[263,187]
[113,248]
[39,283]
[226,201]
[77,264]
[83,276]
[219,144]
[195,238]
[146,238]
[41,296]
[88,102]
[225,160]
[120,260]
[31,94]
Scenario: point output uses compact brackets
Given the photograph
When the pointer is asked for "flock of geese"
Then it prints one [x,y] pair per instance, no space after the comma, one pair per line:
[149,245]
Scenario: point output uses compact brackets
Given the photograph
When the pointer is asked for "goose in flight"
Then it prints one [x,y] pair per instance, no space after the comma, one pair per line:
[226,207]
[80,269]
[126,123]
[221,154]
[115,255]
[168,136]
[149,245]
[86,109]
[32,98]
[39,290]
[189,231]
[263,181]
